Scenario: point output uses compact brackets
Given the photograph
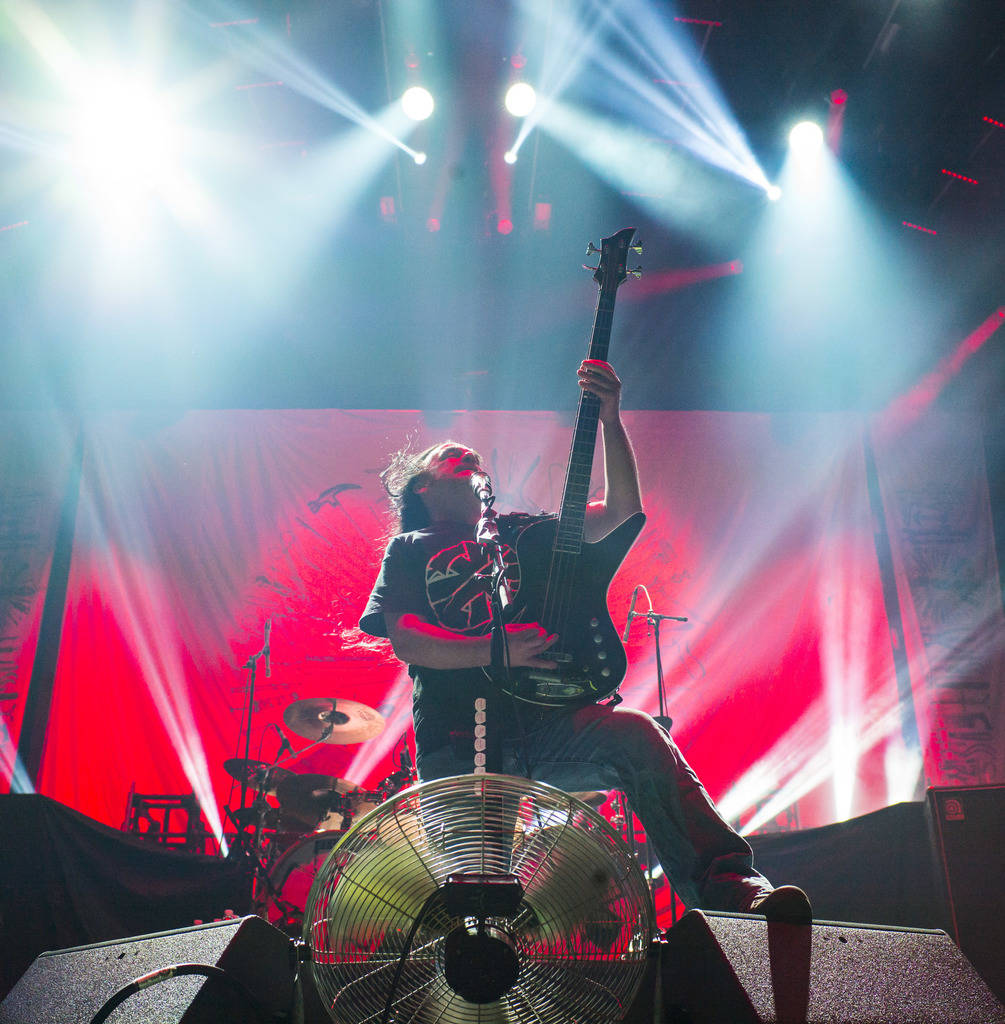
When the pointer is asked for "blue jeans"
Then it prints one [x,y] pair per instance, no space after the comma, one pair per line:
[597,747]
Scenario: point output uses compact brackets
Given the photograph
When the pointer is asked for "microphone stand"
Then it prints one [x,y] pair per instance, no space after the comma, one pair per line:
[252,664]
[500,598]
[654,619]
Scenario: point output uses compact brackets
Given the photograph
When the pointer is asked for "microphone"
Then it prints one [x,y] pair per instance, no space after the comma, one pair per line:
[631,613]
[482,484]
[268,652]
[284,748]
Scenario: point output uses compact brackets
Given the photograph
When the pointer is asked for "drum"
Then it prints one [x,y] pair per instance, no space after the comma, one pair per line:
[291,877]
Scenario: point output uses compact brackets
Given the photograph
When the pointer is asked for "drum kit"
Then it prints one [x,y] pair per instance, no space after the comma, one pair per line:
[296,818]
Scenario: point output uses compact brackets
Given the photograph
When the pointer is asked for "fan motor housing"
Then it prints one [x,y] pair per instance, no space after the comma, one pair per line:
[480,963]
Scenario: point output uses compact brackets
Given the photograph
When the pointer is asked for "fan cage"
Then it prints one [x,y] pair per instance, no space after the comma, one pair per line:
[376,922]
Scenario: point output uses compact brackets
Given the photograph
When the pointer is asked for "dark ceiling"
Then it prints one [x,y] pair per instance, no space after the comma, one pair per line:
[380,313]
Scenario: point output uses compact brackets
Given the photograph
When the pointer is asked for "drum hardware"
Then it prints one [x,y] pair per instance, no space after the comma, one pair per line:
[333,720]
[312,808]
[307,800]
[258,775]
[282,898]
[245,816]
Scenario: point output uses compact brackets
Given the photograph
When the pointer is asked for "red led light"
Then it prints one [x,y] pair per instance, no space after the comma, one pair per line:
[700,21]
[542,216]
[918,227]
[504,226]
[432,224]
[10,227]
[991,120]
[839,97]
[518,61]
[960,177]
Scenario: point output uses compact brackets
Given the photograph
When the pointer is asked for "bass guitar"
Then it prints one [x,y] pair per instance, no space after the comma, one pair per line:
[565,579]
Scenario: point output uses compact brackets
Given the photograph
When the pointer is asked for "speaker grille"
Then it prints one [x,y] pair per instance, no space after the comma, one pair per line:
[735,969]
[73,984]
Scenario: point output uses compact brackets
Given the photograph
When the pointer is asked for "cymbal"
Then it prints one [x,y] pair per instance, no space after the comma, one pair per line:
[258,774]
[333,719]
[306,799]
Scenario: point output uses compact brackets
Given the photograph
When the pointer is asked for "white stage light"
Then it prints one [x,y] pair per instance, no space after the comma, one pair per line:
[509,156]
[417,103]
[124,138]
[773,192]
[806,139]
[520,99]
[419,158]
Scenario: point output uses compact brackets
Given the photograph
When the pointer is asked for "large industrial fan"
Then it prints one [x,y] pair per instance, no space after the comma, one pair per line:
[480,898]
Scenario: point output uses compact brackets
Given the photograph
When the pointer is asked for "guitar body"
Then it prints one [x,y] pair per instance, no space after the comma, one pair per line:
[591,657]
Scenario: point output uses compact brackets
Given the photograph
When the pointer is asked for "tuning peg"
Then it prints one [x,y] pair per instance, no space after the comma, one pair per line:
[591,249]
[585,267]
[637,272]
[636,247]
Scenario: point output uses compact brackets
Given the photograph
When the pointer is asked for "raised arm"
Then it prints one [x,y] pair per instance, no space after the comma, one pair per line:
[622,493]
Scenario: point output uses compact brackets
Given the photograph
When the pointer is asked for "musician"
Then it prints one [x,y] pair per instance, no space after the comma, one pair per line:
[431,601]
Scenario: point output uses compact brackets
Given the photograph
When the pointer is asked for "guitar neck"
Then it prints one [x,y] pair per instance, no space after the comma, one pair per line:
[572,517]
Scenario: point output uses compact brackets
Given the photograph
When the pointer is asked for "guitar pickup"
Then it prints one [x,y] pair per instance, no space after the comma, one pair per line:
[554,686]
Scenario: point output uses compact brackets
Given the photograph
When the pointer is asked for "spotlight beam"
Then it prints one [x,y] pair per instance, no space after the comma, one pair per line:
[569,44]
[640,48]
[269,55]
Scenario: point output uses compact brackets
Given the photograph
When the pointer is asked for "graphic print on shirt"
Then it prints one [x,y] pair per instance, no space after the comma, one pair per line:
[457,581]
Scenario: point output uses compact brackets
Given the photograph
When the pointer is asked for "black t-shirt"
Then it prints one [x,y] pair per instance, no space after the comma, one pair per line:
[443,574]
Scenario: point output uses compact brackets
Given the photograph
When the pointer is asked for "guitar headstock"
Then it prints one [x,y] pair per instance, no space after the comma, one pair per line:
[612,269]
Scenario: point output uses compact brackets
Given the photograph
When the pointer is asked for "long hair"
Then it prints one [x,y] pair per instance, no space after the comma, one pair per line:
[405,470]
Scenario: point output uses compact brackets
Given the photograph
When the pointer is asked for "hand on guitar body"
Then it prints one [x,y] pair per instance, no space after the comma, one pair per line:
[527,643]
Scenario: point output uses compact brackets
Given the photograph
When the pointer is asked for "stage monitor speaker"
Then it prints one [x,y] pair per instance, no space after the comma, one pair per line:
[968,829]
[74,985]
[737,969]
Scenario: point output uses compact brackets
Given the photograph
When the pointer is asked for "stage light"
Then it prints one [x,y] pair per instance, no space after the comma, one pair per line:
[510,156]
[504,226]
[520,99]
[806,139]
[419,158]
[417,103]
[124,139]
[773,192]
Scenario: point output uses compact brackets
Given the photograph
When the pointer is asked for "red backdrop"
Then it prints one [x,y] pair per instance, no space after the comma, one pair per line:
[192,532]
